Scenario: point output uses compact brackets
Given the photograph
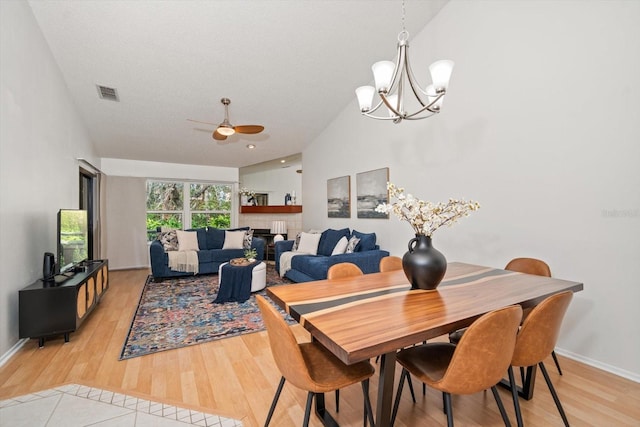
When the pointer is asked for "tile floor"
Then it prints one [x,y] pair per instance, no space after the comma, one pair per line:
[74,405]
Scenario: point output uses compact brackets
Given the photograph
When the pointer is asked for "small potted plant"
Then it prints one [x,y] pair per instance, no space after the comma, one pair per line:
[250,255]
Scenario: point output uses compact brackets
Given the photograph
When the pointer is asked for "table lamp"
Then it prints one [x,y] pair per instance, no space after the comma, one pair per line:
[278,228]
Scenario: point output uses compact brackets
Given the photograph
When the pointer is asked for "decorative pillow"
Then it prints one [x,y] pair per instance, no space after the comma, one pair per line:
[215,238]
[329,240]
[296,243]
[234,239]
[341,246]
[202,237]
[169,240]
[351,245]
[367,241]
[187,240]
[309,243]
[248,238]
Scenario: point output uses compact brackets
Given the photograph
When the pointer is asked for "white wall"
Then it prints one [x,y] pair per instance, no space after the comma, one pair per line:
[276,182]
[126,223]
[541,127]
[125,219]
[41,135]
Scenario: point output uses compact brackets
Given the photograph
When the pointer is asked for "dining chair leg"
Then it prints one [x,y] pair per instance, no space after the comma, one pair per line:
[410,384]
[338,400]
[307,409]
[515,397]
[275,401]
[554,394]
[496,396]
[555,359]
[394,412]
[368,410]
[447,408]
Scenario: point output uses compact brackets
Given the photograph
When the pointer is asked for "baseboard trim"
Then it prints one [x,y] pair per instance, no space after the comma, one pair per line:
[13,350]
[136,267]
[599,365]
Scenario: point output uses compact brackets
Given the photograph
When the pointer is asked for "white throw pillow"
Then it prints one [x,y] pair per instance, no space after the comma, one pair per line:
[187,240]
[340,247]
[309,243]
[234,239]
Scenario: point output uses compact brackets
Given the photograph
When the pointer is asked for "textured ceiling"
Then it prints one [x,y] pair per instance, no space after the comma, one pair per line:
[291,66]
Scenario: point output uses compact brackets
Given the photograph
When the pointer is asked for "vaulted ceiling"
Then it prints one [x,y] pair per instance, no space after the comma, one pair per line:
[291,66]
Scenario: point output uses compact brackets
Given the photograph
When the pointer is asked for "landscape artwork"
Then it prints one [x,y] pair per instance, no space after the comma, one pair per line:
[372,191]
[339,197]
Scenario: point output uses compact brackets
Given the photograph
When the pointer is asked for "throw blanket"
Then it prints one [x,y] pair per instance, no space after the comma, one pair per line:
[285,261]
[235,283]
[185,261]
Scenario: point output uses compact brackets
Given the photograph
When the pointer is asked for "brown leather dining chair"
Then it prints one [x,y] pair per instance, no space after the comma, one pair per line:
[309,366]
[536,338]
[343,269]
[527,266]
[539,268]
[390,263]
[477,363]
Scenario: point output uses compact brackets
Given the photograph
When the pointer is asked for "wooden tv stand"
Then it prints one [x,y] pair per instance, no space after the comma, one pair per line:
[49,308]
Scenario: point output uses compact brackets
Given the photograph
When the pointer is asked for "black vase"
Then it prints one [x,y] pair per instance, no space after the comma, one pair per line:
[423,265]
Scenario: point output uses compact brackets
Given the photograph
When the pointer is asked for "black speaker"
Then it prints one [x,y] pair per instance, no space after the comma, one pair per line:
[48,267]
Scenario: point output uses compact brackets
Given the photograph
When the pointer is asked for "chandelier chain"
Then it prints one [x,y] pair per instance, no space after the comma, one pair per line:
[404,29]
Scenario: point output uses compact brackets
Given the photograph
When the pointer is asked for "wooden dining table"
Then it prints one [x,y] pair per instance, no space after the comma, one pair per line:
[359,318]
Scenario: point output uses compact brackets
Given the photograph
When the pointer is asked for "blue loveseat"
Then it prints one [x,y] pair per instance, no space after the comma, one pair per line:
[306,268]
[210,253]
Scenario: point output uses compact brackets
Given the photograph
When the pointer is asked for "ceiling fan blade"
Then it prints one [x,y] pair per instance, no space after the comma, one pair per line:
[204,123]
[249,128]
[218,136]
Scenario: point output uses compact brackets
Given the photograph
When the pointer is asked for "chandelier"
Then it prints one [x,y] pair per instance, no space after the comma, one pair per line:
[392,80]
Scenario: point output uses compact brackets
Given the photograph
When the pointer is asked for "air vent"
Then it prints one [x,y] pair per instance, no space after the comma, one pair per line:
[108,93]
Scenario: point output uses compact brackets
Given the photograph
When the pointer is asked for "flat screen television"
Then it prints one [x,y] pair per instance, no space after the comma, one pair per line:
[73,237]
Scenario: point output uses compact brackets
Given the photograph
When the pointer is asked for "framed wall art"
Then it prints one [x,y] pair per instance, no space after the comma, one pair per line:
[339,197]
[372,191]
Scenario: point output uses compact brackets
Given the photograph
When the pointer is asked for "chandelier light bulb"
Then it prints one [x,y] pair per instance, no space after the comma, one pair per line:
[441,73]
[365,97]
[382,73]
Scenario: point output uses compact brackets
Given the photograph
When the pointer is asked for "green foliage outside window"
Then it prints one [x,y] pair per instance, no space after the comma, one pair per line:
[210,197]
[200,220]
[209,206]
[164,196]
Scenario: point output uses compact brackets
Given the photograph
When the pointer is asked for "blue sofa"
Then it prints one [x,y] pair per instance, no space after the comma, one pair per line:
[306,268]
[210,256]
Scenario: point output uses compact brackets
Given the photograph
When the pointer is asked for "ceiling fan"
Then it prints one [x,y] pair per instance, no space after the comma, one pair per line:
[226,129]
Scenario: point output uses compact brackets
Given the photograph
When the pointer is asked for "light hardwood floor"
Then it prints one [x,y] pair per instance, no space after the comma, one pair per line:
[237,377]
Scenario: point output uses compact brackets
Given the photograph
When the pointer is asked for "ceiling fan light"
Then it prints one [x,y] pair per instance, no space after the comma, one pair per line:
[226,130]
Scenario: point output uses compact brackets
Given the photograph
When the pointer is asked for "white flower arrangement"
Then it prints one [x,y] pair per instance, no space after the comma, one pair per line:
[424,216]
[244,191]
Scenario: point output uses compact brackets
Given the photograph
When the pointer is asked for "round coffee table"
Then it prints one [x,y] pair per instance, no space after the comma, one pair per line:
[258,276]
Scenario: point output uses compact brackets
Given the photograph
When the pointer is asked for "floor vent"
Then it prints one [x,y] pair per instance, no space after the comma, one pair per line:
[108,93]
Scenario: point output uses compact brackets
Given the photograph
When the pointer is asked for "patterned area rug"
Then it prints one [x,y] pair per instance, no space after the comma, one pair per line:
[180,312]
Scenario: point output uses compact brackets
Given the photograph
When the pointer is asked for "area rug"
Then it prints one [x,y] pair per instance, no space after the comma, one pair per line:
[179,312]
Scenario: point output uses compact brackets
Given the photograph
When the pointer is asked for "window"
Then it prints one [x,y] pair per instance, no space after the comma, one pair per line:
[184,205]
